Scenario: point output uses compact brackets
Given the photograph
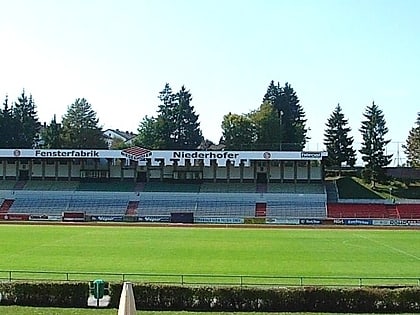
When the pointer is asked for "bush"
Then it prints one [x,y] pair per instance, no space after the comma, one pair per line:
[222,299]
[66,294]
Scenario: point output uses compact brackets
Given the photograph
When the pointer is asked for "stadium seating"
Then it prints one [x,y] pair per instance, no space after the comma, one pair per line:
[171,187]
[409,211]
[7,184]
[358,210]
[226,200]
[107,186]
[290,205]
[212,187]
[51,185]
[296,188]
[56,202]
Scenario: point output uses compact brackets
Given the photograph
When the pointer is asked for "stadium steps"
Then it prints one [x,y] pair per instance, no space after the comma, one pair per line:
[332,193]
[5,205]
[261,188]
[132,207]
[139,187]
[392,211]
[260,209]
[19,185]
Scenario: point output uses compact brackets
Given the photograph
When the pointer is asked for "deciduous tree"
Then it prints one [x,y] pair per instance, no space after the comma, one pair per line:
[239,132]
[81,127]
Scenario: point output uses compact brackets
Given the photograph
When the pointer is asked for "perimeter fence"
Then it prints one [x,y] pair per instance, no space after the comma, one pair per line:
[212,280]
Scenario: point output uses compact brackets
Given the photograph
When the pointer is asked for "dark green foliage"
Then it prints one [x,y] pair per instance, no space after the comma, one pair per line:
[373,131]
[80,127]
[19,125]
[226,299]
[51,135]
[8,126]
[412,145]
[187,133]
[279,123]
[148,134]
[238,131]
[308,299]
[27,124]
[44,294]
[176,125]
[338,142]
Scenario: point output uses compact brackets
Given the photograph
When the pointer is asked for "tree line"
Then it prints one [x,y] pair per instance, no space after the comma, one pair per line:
[278,123]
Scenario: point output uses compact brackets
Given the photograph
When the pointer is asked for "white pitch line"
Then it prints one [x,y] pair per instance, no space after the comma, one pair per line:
[392,248]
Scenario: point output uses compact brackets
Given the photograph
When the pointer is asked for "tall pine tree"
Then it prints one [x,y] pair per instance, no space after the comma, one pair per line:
[187,133]
[337,140]
[51,135]
[176,125]
[412,145]
[8,126]
[373,130]
[290,115]
[27,123]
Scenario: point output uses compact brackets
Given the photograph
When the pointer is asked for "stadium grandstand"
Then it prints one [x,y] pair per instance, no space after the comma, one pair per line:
[137,184]
[140,185]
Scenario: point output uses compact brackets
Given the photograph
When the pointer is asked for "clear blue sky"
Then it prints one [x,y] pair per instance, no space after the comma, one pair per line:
[118,54]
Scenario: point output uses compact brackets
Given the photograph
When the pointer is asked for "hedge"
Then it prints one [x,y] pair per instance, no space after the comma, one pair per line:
[223,299]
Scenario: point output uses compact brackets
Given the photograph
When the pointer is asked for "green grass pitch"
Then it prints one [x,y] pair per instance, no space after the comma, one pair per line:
[214,251]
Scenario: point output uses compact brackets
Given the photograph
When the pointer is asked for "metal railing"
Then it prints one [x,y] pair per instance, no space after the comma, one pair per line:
[211,280]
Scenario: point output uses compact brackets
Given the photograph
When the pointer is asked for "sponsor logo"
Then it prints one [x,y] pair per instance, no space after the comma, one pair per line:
[67,153]
[358,222]
[204,155]
[310,221]
[107,218]
[310,155]
[136,153]
[405,222]
[267,155]
[16,153]
[219,220]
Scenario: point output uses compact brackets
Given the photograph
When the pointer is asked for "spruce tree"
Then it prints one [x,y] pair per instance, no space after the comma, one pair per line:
[27,123]
[165,121]
[187,134]
[412,145]
[176,125]
[51,135]
[8,126]
[373,130]
[290,115]
[337,140]
[293,119]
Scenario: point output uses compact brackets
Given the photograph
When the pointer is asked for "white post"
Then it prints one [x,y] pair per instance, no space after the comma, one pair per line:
[127,303]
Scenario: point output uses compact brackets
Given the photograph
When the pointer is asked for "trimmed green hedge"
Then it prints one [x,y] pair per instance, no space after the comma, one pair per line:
[65,294]
[227,299]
